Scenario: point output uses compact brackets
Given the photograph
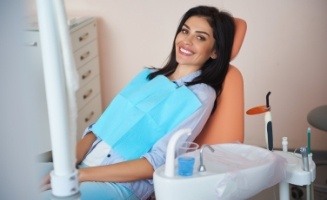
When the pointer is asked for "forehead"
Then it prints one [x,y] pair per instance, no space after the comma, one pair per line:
[198,23]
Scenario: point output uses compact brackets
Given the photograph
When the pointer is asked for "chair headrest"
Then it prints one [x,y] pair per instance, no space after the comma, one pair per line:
[240,30]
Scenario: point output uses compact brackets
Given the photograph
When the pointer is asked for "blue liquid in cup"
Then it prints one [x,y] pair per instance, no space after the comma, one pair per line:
[185,165]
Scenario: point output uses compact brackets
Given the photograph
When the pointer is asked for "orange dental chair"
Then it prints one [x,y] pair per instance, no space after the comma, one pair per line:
[226,124]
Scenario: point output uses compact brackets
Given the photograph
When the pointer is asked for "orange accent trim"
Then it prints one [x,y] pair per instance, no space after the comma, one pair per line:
[257,110]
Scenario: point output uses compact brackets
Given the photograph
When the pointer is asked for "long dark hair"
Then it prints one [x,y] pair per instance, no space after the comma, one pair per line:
[214,70]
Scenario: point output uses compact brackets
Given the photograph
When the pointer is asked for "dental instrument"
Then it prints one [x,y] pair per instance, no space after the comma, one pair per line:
[305,162]
[300,171]
[305,167]
[268,121]
[309,139]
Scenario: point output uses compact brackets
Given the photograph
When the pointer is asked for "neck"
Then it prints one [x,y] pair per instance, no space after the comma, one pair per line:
[182,71]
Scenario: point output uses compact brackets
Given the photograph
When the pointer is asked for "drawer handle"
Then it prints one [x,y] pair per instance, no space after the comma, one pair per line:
[83,37]
[85,96]
[85,55]
[87,119]
[86,74]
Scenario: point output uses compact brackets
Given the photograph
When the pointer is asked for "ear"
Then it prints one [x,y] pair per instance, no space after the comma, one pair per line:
[213,55]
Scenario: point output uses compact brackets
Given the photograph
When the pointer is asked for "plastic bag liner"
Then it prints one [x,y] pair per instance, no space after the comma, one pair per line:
[247,170]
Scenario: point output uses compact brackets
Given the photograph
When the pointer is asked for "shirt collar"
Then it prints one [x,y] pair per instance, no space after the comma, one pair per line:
[187,78]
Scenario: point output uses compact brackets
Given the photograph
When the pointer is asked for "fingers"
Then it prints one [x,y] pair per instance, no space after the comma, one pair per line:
[46,183]
[45,187]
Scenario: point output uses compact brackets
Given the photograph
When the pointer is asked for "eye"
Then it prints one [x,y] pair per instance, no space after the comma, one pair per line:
[201,38]
[184,31]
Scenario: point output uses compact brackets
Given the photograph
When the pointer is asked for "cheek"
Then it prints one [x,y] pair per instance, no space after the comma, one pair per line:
[177,39]
[206,52]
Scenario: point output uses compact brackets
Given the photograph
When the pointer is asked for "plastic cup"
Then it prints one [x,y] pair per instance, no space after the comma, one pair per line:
[185,165]
[185,160]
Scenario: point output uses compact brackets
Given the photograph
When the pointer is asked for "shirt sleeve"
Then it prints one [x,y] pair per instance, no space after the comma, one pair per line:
[157,155]
[88,130]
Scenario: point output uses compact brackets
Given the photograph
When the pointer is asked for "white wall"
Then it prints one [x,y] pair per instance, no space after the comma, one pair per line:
[284,52]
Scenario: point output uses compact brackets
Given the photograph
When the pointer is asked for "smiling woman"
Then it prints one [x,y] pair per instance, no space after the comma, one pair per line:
[119,153]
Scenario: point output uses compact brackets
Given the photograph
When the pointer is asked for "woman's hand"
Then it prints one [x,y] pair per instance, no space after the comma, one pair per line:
[46,183]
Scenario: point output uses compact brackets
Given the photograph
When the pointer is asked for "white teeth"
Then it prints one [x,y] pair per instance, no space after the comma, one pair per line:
[185,51]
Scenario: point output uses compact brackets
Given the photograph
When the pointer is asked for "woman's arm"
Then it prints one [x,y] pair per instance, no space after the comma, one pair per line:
[83,146]
[120,172]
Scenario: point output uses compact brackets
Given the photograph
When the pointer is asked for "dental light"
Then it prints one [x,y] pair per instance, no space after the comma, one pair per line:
[268,124]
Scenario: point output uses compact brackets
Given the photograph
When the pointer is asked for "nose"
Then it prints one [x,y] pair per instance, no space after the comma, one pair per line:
[187,40]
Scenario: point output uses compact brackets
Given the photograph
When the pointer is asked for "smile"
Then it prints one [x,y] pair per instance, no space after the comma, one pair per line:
[185,52]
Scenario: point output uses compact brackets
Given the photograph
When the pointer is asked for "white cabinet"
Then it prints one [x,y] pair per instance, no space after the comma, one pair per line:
[85,48]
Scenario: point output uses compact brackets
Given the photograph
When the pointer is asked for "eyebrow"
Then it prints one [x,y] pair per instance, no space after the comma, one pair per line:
[202,32]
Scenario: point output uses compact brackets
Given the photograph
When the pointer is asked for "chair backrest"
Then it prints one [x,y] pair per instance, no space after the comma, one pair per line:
[226,124]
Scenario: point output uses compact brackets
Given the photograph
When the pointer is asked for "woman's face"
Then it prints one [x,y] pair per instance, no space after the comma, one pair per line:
[195,43]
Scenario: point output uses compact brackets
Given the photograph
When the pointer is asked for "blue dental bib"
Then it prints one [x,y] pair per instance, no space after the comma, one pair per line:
[142,113]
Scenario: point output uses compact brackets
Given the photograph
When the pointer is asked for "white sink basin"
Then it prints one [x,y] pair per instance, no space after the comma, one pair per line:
[233,171]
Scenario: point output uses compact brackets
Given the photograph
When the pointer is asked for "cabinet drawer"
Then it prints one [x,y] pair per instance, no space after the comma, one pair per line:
[85,54]
[84,35]
[88,71]
[88,115]
[88,92]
